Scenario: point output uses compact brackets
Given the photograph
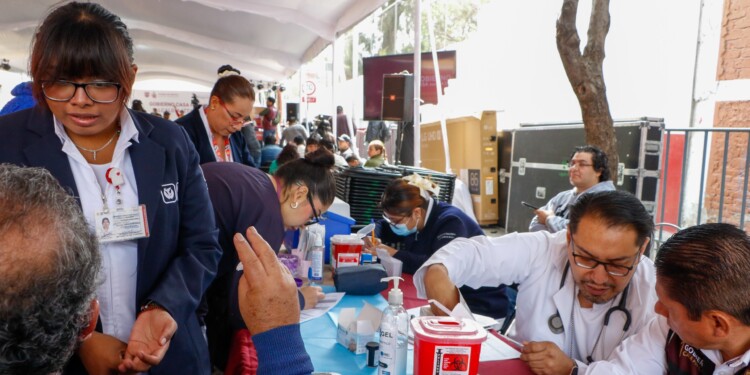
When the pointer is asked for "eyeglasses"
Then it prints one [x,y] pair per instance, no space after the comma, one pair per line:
[611,268]
[579,164]
[315,218]
[98,92]
[236,120]
[395,222]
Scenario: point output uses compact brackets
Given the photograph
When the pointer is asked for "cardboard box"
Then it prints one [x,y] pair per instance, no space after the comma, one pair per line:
[355,332]
[473,148]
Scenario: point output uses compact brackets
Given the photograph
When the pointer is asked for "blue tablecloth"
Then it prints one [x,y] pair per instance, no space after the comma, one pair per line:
[328,355]
[319,336]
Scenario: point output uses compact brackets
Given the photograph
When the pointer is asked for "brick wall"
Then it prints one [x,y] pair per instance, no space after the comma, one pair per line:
[734,50]
[734,63]
[728,115]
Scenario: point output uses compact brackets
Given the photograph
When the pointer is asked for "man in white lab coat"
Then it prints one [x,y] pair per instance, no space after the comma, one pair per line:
[570,311]
[703,325]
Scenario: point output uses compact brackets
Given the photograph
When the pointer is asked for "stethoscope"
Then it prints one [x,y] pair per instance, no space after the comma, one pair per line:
[555,322]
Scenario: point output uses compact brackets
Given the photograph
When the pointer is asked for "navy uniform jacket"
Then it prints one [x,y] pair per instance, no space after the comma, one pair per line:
[444,224]
[193,125]
[179,260]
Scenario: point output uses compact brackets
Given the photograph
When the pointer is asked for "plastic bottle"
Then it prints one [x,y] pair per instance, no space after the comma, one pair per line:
[394,335]
[316,266]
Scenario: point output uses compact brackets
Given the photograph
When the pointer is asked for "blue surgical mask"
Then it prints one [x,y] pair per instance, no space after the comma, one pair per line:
[402,230]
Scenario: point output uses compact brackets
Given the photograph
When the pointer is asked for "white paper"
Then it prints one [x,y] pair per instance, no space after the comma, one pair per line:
[495,349]
[460,311]
[392,265]
[330,300]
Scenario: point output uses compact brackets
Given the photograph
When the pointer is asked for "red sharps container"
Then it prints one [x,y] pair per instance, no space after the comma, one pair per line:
[446,345]
[346,250]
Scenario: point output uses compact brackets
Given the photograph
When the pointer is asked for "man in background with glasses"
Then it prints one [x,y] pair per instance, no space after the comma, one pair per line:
[588,172]
[581,291]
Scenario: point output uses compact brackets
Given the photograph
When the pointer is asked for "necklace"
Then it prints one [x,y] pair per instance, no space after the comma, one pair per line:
[100,148]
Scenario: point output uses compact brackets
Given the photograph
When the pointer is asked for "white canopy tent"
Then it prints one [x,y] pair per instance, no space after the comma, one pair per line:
[187,40]
[268,40]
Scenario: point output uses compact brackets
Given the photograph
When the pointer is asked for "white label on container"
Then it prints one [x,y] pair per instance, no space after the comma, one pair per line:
[489,187]
[347,259]
[452,360]
[317,264]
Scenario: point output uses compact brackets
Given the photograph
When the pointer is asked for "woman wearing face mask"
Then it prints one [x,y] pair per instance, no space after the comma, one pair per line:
[296,195]
[214,128]
[413,218]
[138,171]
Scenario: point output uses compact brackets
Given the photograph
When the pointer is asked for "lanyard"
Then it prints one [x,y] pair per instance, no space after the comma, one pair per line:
[226,155]
[115,179]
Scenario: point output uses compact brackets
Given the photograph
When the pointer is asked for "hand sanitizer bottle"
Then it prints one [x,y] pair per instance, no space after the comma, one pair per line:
[316,267]
[393,332]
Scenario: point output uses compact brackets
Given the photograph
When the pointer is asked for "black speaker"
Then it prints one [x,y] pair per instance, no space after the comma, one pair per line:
[292,111]
[398,94]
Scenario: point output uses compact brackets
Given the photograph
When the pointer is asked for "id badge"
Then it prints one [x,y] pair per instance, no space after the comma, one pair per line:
[122,224]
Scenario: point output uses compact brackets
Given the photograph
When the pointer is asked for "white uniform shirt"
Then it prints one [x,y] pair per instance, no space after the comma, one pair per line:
[644,353]
[536,262]
[116,294]
[210,136]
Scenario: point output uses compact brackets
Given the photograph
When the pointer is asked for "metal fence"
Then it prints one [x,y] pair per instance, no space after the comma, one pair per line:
[704,178]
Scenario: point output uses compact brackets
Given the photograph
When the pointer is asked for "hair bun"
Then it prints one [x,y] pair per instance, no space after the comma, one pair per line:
[227,70]
[321,157]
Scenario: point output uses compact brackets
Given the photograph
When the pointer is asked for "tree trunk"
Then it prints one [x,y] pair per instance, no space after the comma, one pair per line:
[584,72]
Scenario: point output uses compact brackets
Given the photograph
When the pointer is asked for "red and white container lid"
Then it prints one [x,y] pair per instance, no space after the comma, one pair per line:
[346,239]
[448,330]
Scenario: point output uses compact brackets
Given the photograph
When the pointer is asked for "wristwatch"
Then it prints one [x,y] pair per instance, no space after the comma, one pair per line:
[574,370]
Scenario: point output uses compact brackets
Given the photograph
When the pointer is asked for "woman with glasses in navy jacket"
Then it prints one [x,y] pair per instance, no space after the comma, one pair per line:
[295,196]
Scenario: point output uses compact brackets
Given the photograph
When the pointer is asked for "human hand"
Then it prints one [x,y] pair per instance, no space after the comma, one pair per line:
[267,291]
[149,340]
[543,215]
[438,286]
[312,295]
[101,354]
[546,358]
[370,246]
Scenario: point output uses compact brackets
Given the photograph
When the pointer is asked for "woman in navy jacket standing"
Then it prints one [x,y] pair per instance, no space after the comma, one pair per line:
[214,128]
[138,171]
[418,225]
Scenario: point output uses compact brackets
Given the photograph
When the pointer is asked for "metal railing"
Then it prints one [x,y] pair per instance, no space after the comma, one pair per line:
[703,177]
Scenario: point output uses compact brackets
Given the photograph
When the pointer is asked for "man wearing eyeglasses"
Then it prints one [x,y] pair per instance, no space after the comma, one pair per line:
[703,325]
[581,291]
[588,172]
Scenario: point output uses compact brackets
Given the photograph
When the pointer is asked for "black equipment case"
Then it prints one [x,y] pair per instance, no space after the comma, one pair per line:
[539,164]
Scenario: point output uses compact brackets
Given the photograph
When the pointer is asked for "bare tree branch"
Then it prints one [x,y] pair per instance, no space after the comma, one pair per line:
[585,73]
[598,29]
[569,44]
